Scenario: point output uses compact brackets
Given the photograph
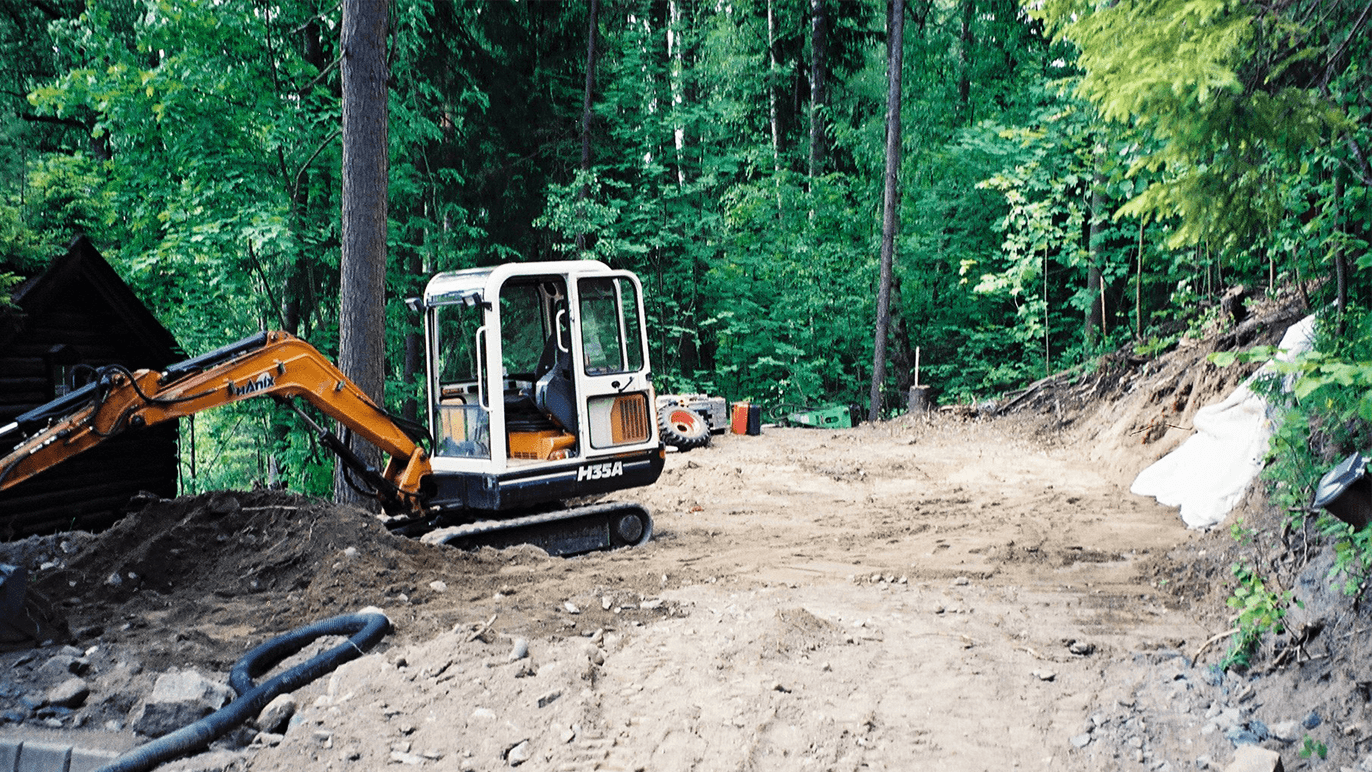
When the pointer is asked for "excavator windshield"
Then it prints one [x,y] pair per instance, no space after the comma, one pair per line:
[462,421]
[610,327]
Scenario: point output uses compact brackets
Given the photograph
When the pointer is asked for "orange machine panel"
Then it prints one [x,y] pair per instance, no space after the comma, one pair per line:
[540,446]
[629,419]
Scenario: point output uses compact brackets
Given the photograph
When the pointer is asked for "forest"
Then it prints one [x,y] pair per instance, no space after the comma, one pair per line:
[1072,178]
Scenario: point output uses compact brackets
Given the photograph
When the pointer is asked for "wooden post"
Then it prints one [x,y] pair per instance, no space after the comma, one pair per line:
[918,399]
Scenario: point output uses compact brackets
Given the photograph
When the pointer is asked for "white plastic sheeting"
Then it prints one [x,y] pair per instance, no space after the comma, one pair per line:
[1208,474]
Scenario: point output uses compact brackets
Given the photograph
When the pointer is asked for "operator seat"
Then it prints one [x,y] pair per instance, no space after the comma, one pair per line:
[522,412]
[548,358]
[554,387]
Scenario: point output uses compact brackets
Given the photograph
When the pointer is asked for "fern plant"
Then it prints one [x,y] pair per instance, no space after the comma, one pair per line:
[7,282]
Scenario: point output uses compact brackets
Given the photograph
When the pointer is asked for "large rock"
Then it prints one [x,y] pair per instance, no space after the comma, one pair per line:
[273,718]
[212,761]
[1251,758]
[68,694]
[65,664]
[178,699]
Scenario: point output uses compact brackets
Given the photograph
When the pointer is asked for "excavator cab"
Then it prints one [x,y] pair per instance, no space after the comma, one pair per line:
[539,386]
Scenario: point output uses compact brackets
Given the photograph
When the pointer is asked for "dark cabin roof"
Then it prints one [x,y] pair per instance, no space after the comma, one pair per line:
[83,266]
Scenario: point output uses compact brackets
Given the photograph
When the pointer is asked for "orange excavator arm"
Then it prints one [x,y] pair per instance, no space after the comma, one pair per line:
[274,364]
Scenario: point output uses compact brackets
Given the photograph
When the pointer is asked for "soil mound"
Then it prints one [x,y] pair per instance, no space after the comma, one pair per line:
[1132,409]
[258,562]
[795,631]
[229,544]
[198,580]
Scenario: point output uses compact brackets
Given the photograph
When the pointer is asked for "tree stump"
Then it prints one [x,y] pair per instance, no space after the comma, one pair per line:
[919,399]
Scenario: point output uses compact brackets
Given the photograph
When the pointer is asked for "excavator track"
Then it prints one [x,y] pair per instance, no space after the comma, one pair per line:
[563,532]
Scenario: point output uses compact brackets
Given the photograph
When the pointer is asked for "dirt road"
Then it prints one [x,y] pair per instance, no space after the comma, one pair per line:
[910,595]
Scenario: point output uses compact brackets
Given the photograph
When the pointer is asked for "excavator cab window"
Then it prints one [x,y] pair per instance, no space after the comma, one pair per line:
[540,392]
[528,312]
[610,327]
[462,422]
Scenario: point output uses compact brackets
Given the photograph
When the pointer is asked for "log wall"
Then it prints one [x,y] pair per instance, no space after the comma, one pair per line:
[89,491]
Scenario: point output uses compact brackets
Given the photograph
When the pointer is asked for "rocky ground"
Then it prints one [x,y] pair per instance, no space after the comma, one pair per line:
[940,592]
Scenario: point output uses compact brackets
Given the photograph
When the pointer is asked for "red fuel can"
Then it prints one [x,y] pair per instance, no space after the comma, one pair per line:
[746,418]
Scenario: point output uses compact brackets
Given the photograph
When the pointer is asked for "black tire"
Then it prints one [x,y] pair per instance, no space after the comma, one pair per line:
[682,427]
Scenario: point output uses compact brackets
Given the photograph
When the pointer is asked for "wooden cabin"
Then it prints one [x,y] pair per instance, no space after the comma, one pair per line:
[79,312]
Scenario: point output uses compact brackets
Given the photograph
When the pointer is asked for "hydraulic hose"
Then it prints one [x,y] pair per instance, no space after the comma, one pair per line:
[365,629]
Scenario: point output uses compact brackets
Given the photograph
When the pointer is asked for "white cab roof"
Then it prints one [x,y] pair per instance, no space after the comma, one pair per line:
[453,286]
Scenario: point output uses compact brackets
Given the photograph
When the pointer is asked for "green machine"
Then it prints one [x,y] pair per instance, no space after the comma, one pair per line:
[837,417]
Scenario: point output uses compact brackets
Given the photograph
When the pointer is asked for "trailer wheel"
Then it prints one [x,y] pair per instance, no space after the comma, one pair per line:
[683,427]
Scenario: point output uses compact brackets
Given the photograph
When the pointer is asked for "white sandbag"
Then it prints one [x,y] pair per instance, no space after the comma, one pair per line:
[1208,474]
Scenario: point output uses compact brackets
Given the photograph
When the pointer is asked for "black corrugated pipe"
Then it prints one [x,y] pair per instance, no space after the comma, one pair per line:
[365,629]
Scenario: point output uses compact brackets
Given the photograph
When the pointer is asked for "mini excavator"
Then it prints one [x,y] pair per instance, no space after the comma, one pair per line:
[539,392]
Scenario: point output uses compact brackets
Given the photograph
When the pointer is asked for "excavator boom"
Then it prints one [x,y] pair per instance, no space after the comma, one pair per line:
[274,364]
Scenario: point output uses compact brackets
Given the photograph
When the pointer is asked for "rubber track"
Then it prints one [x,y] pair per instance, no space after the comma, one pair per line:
[468,530]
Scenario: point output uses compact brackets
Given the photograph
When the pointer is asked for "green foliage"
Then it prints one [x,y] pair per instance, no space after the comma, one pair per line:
[1319,401]
[1154,345]
[1193,73]
[24,250]
[1352,554]
[1043,225]
[7,282]
[792,308]
[62,197]
[1311,747]
[1259,611]
[66,198]
[197,143]
[1328,417]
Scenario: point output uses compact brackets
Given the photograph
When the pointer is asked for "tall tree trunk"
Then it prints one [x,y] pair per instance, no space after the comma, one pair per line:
[585,192]
[819,52]
[1340,259]
[676,74]
[1047,345]
[895,49]
[773,112]
[902,352]
[296,286]
[1138,287]
[659,89]
[965,61]
[311,49]
[362,278]
[413,371]
[1095,313]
